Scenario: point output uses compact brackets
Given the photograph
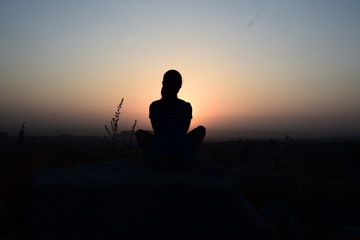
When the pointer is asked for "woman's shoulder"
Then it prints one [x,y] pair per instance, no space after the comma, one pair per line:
[179,104]
[155,104]
[182,102]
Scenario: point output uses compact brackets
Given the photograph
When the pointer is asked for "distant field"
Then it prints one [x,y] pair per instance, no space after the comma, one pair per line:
[310,171]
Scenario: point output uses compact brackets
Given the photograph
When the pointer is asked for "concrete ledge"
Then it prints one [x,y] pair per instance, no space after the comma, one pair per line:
[124,199]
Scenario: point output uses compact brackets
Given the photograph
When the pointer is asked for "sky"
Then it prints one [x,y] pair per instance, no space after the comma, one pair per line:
[259,68]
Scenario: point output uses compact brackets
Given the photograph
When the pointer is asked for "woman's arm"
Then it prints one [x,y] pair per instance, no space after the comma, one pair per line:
[154,126]
[187,125]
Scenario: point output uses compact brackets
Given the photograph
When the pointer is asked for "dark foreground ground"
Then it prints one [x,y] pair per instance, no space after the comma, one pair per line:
[312,185]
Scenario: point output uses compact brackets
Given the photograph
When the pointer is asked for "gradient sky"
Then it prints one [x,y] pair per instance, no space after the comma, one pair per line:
[250,68]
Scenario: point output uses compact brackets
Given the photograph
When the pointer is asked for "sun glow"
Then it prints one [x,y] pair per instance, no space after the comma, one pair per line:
[279,72]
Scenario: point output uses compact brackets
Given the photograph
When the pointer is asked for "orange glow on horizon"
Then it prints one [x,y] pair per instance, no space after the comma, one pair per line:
[279,72]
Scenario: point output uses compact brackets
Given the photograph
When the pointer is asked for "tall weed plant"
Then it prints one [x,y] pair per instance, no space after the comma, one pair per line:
[117,147]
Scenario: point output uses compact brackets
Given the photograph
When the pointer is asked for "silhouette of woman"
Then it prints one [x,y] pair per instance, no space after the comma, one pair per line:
[171,147]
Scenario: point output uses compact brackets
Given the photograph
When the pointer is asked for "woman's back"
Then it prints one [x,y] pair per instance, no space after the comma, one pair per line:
[171,122]
[172,147]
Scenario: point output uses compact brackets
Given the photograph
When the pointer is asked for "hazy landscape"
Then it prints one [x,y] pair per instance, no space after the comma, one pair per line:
[316,180]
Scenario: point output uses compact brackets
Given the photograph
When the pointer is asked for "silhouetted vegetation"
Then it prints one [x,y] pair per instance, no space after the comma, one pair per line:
[113,132]
[118,147]
[21,134]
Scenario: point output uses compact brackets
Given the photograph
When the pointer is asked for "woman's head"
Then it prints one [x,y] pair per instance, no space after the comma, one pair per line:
[171,84]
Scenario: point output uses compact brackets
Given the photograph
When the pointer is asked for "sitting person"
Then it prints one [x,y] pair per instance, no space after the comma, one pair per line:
[172,147]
